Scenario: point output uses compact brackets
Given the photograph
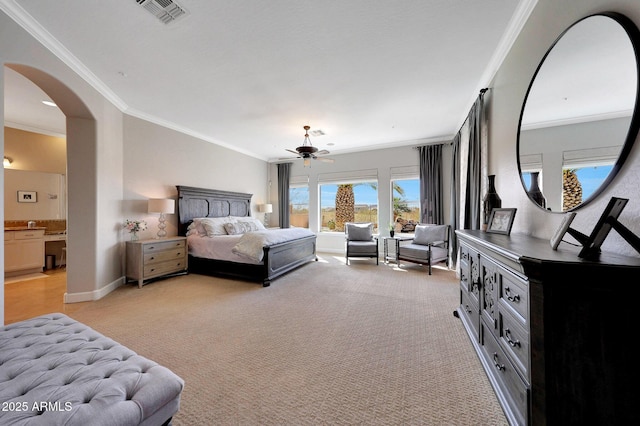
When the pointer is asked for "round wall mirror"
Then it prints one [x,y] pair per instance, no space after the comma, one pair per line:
[580,115]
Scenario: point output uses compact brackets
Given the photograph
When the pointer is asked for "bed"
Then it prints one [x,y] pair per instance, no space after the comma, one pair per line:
[283,250]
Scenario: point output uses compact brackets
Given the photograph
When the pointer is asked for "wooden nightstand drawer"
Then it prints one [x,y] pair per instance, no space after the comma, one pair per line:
[163,268]
[162,256]
[156,246]
[148,259]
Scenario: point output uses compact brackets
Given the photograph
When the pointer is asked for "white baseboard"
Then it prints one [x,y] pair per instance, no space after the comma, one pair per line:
[89,296]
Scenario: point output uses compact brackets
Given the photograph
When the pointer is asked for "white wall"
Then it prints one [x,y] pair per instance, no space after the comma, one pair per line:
[548,20]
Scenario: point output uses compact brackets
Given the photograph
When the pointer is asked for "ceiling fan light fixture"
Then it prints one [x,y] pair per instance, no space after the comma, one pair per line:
[307,151]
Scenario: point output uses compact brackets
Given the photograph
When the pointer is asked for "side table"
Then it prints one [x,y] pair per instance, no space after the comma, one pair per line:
[396,244]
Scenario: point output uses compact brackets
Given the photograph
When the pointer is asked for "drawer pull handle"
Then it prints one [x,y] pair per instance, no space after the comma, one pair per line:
[152,247]
[498,366]
[510,341]
[515,298]
[152,258]
[153,269]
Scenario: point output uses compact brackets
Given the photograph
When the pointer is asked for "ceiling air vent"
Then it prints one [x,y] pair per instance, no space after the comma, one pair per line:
[165,10]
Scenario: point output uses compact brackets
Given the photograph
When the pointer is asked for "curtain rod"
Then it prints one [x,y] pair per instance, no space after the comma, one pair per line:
[482,92]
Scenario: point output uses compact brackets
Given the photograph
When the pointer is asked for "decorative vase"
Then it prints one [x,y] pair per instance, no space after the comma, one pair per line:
[392,233]
[134,236]
[491,199]
[534,191]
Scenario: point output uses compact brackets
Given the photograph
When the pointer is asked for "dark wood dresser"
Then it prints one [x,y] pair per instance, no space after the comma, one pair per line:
[555,333]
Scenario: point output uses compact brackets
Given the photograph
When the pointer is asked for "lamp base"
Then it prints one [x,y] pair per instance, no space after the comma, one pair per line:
[161,227]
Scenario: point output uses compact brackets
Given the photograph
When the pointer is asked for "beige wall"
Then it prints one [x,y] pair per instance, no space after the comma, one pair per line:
[34,151]
[157,159]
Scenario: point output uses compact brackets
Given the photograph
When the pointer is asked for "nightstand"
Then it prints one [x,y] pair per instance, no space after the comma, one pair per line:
[147,259]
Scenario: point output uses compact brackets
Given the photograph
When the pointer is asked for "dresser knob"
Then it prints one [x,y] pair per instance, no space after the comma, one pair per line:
[510,341]
[515,298]
[498,366]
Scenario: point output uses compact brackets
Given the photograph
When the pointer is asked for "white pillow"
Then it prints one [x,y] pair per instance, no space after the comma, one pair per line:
[214,225]
[240,227]
[195,227]
[258,223]
[425,234]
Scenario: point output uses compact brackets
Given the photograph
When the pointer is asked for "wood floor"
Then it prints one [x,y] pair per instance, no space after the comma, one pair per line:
[33,297]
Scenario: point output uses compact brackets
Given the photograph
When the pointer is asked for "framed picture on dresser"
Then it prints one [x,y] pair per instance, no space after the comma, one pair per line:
[562,229]
[501,221]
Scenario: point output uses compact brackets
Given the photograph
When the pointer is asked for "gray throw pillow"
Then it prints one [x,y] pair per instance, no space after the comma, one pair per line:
[425,234]
[360,231]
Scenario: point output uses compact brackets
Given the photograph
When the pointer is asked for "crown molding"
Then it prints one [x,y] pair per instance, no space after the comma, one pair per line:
[26,21]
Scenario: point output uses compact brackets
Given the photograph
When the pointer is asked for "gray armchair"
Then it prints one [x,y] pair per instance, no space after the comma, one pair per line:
[429,246]
[360,241]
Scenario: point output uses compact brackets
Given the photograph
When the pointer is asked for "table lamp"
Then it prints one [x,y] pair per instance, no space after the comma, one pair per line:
[162,206]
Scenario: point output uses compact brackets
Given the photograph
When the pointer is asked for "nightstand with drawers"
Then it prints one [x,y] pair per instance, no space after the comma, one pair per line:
[147,259]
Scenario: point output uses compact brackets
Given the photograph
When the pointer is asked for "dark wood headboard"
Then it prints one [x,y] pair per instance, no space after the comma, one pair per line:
[201,202]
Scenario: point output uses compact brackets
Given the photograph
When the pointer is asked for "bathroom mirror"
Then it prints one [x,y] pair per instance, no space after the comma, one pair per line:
[580,116]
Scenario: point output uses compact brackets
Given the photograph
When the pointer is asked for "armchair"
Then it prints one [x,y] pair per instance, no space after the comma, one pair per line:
[429,246]
[360,241]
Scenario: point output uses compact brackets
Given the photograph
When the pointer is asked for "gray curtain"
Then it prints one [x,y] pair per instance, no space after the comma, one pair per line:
[455,200]
[284,171]
[474,162]
[432,210]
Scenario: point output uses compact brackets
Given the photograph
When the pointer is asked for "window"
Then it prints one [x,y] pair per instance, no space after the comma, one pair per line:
[406,200]
[355,201]
[579,183]
[299,206]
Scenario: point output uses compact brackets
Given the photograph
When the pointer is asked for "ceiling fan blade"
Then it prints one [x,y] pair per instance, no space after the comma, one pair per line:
[322,152]
[326,160]
[292,151]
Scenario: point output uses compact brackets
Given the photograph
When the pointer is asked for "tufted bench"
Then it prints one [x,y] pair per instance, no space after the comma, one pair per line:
[57,371]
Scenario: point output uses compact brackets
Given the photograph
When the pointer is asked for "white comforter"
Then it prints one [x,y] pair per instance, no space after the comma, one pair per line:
[252,243]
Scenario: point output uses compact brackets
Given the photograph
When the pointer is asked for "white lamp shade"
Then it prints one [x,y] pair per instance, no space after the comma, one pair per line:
[265,208]
[159,205]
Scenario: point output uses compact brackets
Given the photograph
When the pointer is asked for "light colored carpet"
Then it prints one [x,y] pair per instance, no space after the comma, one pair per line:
[327,344]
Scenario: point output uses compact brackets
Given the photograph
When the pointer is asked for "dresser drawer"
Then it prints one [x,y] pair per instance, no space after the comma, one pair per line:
[163,245]
[163,268]
[511,389]
[470,310]
[162,256]
[514,293]
[28,235]
[515,341]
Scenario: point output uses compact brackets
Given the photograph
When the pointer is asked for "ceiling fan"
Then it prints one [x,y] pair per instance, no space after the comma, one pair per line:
[307,152]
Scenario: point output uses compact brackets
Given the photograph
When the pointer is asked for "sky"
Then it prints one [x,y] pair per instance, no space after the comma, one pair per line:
[365,194]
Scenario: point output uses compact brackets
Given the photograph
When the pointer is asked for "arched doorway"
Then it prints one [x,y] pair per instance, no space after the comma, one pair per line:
[81,177]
